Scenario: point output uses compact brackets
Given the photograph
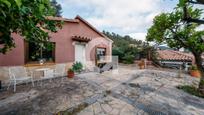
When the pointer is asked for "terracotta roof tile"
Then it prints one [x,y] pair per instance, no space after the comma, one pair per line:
[76,20]
[174,55]
[62,19]
[80,38]
[93,28]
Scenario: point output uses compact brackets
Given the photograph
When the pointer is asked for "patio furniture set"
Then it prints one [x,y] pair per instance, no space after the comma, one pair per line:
[19,75]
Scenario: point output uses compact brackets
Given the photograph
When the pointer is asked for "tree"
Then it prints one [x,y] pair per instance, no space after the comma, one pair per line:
[27,18]
[127,48]
[170,28]
[58,8]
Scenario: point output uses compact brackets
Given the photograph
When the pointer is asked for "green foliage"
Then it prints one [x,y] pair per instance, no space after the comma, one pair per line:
[154,57]
[27,18]
[49,46]
[191,90]
[202,82]
[118,52]
[70,70]
[123,45]
[193,67]
[171,29]
[128,59]
[77,67]
[57,7]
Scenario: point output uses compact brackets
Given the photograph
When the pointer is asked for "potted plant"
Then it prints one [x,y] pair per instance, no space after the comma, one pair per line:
[141,64]
[70,73]
[77,67]
[194,71]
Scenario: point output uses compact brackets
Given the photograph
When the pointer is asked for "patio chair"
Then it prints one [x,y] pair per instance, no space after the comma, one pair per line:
[59,70]
[19,75]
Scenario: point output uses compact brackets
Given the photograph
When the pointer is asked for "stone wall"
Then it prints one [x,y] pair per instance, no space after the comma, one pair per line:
[4,70]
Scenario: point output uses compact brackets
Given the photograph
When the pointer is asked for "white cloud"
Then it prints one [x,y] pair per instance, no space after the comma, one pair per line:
[138,36]
[132,17]
[200,28]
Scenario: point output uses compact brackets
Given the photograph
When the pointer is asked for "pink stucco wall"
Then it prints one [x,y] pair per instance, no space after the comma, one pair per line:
[16,55]
[65,49]
[97,43]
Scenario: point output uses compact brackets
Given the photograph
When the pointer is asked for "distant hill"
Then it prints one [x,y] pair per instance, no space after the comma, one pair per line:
[127,48]
[123,40]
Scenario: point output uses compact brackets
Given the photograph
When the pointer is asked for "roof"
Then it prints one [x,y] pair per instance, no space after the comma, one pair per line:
[172,55]
[93,28]
[76,20]
[62,19]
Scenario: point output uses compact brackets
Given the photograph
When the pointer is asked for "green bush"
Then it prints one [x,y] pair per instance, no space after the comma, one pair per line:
[191,90]
[128,59]
[70,70]
[193,67]
[118,52]
[77,67]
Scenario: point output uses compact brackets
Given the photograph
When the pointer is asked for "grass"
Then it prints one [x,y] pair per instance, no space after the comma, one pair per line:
[191,90]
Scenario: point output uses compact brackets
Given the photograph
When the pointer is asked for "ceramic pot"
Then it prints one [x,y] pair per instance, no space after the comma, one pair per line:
[70,74]
[195,73]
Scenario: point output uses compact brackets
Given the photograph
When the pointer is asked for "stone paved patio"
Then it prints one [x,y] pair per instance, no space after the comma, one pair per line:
[128,91]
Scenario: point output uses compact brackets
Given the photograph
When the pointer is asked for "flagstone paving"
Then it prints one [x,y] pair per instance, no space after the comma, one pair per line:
[128,91]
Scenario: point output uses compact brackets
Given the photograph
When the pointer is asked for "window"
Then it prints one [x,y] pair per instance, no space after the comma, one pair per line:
[100,53]
[34,52]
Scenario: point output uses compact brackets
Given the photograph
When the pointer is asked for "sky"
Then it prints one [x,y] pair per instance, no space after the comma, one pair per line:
[124,17]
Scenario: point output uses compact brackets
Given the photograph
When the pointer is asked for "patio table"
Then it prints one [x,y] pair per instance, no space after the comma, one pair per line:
[47,72]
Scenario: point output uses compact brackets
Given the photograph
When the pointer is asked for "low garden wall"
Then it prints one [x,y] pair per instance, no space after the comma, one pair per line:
[4,70]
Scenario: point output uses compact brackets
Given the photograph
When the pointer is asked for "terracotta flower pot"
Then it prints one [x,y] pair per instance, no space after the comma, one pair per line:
[195,73]
[142,66]
[70,74]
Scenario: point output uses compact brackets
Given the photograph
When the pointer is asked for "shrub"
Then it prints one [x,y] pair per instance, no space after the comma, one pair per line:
[77,67]
[70,70]
[193,67]
[128,59]
[191,90]
[118,52]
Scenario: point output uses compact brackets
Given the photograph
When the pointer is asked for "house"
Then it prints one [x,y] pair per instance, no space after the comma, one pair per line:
[76,41]
[174,59]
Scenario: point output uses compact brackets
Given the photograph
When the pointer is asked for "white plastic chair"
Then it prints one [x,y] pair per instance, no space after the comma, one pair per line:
[19,75]
[59,70]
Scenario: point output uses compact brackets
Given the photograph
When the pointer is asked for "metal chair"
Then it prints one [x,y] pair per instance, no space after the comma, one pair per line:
[19,75]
